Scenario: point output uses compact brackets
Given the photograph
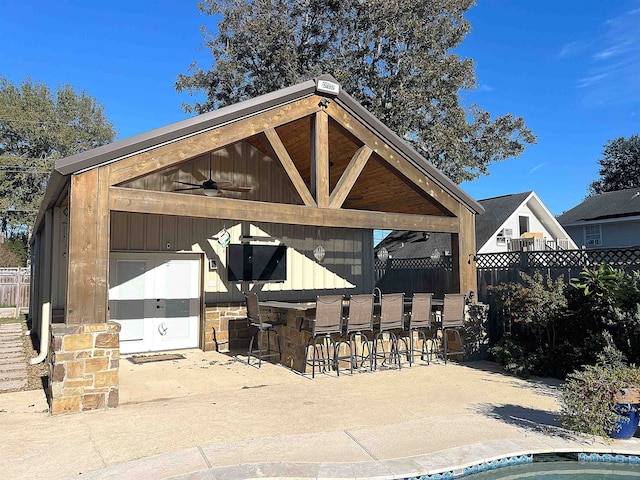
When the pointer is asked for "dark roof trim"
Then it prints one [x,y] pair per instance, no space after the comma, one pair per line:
[55,187]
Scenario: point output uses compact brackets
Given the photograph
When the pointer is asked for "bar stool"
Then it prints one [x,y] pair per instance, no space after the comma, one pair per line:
[453,322]
[419,323]
[359,322]
[259,327]
[327,322]
[391,318]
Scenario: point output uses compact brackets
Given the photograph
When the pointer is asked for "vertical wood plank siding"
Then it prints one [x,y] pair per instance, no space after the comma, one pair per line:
[240,164]
[346,267]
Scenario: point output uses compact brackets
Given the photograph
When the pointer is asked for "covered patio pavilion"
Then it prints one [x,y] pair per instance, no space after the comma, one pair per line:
[126,259]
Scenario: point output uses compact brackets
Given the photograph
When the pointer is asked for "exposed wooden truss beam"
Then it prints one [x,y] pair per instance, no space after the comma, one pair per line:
[320,158]
[289,167]
[167,203]
[349,177]
[397,162]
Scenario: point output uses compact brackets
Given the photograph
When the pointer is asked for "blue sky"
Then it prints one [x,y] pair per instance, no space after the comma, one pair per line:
[571,68]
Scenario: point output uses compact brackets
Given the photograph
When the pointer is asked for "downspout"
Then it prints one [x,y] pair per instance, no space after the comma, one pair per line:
[44,334]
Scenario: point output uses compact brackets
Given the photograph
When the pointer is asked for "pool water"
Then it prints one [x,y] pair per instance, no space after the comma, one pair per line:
[563,471]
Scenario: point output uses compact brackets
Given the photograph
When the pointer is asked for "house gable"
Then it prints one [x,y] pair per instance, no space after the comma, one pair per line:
[539,222]
[499,221]
[358,172]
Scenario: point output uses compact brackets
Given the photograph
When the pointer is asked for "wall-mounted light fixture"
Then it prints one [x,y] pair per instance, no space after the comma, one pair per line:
[383,254]
[435,255]
[319,252]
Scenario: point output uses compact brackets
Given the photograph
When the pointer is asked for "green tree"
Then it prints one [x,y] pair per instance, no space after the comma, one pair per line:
[395,57]
[8,258]
[619,166]
[38,126]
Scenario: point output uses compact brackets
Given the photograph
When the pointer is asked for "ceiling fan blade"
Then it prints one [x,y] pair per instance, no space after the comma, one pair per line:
[183,189]
[187,183]
[231,188]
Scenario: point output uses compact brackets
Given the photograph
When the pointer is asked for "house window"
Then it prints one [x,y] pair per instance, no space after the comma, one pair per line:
[593,235]
[524,225]
[503,236]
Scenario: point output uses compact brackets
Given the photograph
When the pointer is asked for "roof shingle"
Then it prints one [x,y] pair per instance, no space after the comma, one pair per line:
[621,203]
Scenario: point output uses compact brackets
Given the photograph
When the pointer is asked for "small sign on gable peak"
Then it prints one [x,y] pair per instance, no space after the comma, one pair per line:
[326,86]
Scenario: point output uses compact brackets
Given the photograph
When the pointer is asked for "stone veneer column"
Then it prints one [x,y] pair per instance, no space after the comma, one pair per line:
[84,361]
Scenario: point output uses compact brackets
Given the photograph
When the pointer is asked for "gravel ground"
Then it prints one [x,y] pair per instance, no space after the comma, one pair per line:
[37,375]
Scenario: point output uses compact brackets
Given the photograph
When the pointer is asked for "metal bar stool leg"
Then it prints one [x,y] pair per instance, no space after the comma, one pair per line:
[250,349]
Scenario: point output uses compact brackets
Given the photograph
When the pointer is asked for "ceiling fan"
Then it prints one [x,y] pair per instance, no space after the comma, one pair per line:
[210,187]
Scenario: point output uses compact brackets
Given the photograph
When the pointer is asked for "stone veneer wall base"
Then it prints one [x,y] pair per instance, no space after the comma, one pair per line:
[84,361]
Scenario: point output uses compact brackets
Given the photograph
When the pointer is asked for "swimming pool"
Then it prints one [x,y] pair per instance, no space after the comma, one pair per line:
[563,470]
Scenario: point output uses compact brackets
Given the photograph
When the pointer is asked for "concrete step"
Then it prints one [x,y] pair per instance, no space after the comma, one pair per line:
[10,337]
[11,331]
[6,385]
[11,326]
[9,350]
[13,374]
[9,367]
[8,359]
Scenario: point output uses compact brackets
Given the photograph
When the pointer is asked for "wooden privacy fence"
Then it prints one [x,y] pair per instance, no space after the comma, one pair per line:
[14,287]
[425,275]
[411,275]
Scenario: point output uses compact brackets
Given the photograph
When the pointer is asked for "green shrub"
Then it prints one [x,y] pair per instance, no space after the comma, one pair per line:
[588,396]
[512,357]
[555,328]
[608,299]
[535,311]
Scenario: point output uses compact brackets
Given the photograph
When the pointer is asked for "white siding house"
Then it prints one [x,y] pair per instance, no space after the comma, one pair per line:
[529,226]
[515,222]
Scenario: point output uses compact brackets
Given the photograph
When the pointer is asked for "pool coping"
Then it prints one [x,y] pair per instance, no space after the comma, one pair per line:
[448,464]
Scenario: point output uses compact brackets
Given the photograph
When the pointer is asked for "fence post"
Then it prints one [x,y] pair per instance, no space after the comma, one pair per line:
[18,293]
[524,260]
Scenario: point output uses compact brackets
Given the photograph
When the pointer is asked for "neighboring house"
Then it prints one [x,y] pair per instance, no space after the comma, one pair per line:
[608,220]
[515,222]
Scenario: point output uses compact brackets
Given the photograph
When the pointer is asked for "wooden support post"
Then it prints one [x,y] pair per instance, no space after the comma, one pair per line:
[88,265]
[464,248]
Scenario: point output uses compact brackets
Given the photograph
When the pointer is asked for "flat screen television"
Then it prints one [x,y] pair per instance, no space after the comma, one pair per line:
[247,263]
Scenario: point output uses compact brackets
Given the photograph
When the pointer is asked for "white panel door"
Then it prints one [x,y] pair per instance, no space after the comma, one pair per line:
[177,289]
[130,300]
[156,299]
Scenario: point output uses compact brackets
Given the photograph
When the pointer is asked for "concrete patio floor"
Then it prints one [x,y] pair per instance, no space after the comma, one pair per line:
[211,416]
